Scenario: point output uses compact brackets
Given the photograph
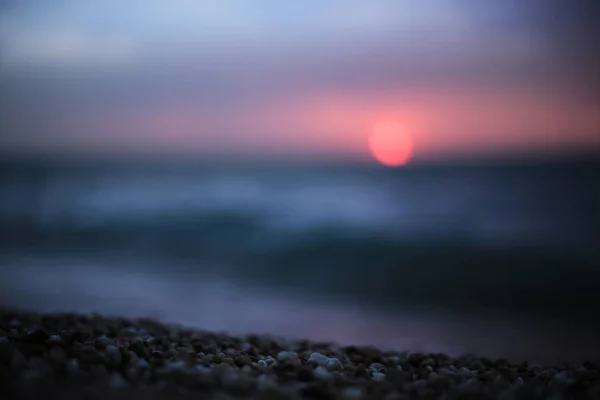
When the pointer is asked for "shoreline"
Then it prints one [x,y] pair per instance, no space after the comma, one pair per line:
[62,355]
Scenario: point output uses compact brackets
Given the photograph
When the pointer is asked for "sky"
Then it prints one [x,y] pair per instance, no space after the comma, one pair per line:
[283,79]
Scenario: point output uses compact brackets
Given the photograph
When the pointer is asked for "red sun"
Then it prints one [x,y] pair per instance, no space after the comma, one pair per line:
[390,144]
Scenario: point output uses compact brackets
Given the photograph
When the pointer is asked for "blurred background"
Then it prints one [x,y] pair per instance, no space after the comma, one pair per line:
[416,175]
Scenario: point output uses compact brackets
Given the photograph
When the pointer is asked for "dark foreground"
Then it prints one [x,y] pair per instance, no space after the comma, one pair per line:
[74,356]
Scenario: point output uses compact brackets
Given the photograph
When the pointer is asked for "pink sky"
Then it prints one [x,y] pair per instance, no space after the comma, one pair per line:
[277,80]
[441,123]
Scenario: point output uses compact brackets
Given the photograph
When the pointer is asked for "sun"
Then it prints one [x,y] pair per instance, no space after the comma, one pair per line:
[390,144]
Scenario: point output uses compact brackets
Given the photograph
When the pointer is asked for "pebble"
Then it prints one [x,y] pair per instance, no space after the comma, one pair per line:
[103,341]
[113,354]
[265,382]
[57,355]
[377,367]
[353,393]
[519,381]
[330,363]
[116,381]
[318,358]
[73,368]
[288,356]
[378,376]
[146,357]
[321,372]
[563,378]
[55,340]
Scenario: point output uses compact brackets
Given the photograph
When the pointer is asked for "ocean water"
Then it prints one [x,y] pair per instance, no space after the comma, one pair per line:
[499,259]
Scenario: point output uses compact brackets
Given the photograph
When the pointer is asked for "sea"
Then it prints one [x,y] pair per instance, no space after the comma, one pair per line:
[498,258]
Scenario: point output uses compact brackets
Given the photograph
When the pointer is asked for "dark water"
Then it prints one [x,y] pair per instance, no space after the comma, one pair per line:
[500,259]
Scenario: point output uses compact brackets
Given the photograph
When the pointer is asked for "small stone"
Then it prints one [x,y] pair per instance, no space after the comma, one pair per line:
[228,361]
[175,366]
[288,356]
[321,372]
[73,368]
[378,376]
[55,340]
[429,369]
[57,355]
[103,341]
[243,361]
[419,384]
[139,348]
[117,382]
[271,361]
[377,367]
[432,376]
[261,365]
[352,393]
[563,378]
[113,355]
[428,362]
[319,359]
[519,381]
[129,331]
[334,365]
[265,382]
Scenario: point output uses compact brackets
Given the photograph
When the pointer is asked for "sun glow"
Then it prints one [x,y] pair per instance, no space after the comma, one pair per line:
[390,144]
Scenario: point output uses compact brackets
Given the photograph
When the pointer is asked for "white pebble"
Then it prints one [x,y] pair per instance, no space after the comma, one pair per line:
[271,361]
[319,358]
[321,373]
[378,376]
[334,365]
[288,356]
[261,365]
[331,363]
[377,367]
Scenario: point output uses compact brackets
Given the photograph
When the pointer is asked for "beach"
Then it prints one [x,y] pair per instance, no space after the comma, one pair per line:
[93,356]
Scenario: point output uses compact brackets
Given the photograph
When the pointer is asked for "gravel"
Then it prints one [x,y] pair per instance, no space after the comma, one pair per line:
[72,356]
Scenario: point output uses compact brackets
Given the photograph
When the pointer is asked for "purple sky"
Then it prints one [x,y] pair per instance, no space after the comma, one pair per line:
[273,78]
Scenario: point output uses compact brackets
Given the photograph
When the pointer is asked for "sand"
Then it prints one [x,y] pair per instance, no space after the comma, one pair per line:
[93,356]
